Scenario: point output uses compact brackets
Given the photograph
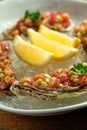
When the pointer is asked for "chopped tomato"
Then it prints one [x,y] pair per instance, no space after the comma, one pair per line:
[3,84]
[51,83]
[81,32]
[28,80]
[8,71]
[64,78]
[56,20]
[54,83]
[76,29]
[3,50]
[7,76]
[57,83]
[19,24]
[83,80]
[61,73]
[39,76]
[11,81]
[52,18]
[14,32]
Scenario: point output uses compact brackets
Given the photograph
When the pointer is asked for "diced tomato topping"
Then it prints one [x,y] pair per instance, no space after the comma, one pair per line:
[14,32]
[6,74]
[57,83]
[11,80]
[27,80]
[64,78]
[4,47]
[62,74]
[65,17]
[65,24]
[4,50]
[54,83]
[81,32]
[52,18]
[3,85]
[19,24]
[56,20]
[39,76]
[83,80]
[76,29]
[51,83]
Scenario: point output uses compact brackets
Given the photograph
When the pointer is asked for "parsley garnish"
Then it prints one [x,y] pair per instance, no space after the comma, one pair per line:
[33,15]
[79,68]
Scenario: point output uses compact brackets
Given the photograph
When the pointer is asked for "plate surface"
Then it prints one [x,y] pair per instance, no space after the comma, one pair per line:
[10,12]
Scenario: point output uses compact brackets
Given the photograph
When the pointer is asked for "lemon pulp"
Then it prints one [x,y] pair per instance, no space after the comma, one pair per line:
[30,53]
[59,37]
[59,50]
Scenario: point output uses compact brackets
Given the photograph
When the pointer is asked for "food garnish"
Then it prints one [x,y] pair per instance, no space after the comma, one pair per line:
[59,51]
[79,68]
[30,53]
[59,37]
[33,15]
[52,86]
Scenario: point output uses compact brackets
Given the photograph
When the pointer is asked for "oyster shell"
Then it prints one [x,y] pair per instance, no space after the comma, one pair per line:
[44,92]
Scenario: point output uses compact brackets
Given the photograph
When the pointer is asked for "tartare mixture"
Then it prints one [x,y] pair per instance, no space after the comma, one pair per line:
[7,76]
[81,32]
[57,20]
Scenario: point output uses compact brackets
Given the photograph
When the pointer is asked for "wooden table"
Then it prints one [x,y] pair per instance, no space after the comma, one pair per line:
[76,120]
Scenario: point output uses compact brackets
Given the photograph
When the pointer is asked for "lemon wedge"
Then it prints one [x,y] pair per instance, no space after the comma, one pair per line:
[60,51]
[30,53]
[59,37]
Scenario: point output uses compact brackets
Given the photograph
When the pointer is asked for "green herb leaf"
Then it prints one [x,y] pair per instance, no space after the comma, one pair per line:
[79,68]
[33,15]
[26,14]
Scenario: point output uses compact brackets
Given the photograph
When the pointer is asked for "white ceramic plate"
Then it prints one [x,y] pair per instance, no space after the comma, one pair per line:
[10,12]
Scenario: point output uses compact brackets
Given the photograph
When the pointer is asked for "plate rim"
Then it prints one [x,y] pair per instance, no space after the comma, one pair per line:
[41,112]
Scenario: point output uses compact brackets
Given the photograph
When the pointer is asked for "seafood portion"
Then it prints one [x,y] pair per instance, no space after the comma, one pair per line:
[55,85]
[7,76]
[81,32]
[47,93]
[57,20]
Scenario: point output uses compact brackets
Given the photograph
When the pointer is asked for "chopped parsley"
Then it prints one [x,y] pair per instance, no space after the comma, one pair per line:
[33,15]
[79,68]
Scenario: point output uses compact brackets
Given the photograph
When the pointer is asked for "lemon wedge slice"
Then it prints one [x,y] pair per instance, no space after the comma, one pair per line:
[59,37]
[30,53]
[60,51]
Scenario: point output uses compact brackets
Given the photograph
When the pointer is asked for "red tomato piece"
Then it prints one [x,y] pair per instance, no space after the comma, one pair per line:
[83,80]
[28,80]
[39,76]
[3,85]
[57,83]
[64,78]
[52,18]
